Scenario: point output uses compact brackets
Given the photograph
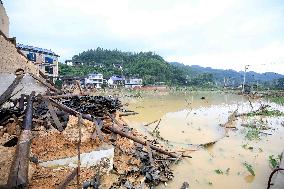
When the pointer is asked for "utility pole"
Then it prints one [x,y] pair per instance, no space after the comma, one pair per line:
[246,67]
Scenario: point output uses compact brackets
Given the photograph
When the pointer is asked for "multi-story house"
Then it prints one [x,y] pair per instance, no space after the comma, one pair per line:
[95,79]
[46,60]
[116,81]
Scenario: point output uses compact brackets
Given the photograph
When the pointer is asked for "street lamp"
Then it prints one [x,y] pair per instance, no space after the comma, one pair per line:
[246,67]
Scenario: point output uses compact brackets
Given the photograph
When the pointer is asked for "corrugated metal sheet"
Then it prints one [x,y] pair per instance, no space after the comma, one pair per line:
[35,49]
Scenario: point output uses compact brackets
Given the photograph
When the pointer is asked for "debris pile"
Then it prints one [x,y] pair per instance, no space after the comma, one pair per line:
[93,105]
[36,129]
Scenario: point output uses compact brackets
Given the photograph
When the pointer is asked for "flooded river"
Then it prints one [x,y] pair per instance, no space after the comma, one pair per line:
[187,121]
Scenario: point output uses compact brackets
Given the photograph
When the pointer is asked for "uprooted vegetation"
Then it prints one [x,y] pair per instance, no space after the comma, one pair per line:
[263,110]
[266,112]
[277,99]
[274,161]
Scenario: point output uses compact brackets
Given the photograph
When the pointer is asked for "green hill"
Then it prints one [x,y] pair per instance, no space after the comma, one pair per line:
[149,66]
[152,68]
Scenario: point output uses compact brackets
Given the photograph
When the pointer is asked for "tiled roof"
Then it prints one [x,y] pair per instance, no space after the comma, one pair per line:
[95,74]
[117,78]
[35,49]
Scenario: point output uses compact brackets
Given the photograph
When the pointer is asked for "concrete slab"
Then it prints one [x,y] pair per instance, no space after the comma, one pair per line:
[87,160]
[27,85]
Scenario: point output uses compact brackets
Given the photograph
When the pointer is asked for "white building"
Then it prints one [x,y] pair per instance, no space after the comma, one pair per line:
[69,62]
[115,81]
[133,82]
[95,79]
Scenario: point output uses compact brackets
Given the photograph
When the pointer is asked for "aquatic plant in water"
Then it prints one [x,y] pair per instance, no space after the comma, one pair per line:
[266,112]
[278,100]
[249,168]
[252,133]
[274,161]
[219,171]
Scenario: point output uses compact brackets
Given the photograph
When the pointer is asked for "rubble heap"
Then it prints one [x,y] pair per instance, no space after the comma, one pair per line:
[55,127]
[93,105]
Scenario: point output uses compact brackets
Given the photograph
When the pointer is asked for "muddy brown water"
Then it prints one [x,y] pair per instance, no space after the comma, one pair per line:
[187,120]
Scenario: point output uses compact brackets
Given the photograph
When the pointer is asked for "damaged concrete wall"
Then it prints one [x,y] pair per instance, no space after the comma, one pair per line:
[4,20]
[11,59]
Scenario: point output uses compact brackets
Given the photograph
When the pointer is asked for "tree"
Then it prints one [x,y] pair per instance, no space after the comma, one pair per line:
[280,84]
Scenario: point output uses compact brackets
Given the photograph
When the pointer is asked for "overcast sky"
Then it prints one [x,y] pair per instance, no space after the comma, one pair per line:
[224,34]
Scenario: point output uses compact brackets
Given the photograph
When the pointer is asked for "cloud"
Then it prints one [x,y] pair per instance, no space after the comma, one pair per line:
[220,33]
[267,59]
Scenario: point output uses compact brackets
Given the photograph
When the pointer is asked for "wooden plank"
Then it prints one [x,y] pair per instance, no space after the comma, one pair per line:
[22,102]
[79,152]
[150,153]
[127,114]
[157,126]
[52,112]
[151,123]
[79,86]
[99,124]
[68,179]
[18,177]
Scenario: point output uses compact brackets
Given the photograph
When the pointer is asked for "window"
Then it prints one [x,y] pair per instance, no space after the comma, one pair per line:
[48,69]
[31,56]
[48,60]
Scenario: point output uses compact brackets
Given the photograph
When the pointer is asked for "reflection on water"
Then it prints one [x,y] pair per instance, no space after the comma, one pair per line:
[188,120]
[249,178]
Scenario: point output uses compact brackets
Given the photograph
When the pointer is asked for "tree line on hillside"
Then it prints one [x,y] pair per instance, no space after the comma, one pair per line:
[149,66]
[152,68]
